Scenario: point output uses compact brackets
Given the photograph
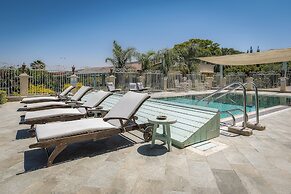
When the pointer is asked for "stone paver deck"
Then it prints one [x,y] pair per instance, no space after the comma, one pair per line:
[260,163]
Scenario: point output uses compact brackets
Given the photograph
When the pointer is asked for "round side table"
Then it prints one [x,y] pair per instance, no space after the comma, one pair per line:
[166,136]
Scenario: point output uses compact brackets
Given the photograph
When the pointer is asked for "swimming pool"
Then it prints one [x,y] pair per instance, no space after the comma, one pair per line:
[232,101]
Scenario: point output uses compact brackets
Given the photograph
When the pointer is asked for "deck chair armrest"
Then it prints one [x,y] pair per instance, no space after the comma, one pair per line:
[93,108]
[114,118]
[74,103]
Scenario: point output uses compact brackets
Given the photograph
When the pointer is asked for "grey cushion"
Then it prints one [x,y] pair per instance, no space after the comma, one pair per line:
[42,114]
[64,129]
[126,106]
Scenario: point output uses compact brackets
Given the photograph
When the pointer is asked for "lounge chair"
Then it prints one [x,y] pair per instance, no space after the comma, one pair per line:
[140,87]
[66,114]
[111,87]
[59,97]
[53,104]
[133,87]
[119,119]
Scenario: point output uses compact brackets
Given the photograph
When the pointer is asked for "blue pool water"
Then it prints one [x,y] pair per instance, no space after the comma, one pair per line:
[232,101]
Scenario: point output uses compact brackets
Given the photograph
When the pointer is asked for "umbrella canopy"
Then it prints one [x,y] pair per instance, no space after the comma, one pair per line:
[264,57]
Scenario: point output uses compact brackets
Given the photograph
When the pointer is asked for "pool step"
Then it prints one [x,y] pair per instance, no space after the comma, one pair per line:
[194,123]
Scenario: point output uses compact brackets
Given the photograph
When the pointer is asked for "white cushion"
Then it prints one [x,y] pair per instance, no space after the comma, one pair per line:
[63,129]
[41,114]
[40,98]
[45,104]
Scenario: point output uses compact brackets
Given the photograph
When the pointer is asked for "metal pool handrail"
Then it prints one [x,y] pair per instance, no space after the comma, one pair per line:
[256,99]
[219,90]
[244,98]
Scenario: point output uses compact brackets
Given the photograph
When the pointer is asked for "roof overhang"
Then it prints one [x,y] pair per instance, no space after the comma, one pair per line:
[264,57]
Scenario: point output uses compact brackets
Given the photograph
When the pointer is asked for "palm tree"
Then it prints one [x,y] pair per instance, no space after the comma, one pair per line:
[38,64]
[146,59]
[166,59]
[120,56]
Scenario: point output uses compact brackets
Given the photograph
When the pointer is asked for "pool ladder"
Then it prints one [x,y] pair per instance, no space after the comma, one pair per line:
[246,128]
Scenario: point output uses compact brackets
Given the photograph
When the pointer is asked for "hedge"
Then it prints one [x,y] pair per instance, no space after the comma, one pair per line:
[3,97]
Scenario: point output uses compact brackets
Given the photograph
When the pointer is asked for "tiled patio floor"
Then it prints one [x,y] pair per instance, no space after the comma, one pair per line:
[260,163]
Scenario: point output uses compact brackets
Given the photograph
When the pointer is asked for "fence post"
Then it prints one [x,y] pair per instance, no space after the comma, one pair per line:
[165,83]
[249,83]
[23,81]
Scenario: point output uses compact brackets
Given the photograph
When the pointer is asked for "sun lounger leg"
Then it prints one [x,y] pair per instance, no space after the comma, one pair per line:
[58,149]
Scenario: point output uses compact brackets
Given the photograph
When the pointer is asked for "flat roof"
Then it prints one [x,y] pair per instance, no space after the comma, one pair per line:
[264,57]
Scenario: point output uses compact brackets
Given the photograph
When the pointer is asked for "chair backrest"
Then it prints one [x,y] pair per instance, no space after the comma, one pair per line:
[96,99]
[140,86]
[133,87]
[81,92]
[66,91]
[110,86]
[126,107]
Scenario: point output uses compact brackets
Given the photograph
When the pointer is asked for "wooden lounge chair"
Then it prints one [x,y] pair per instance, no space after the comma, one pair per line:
[53,104]
[119,119]
[59,97]
[66,114]
[111,87]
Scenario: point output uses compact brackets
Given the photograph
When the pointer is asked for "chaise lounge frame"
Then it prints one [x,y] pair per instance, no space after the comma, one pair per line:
[61,143]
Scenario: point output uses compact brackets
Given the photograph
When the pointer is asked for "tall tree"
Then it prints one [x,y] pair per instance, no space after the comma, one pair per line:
[38,64]
[120,56]
[146,59]
[189,51]
[165,59]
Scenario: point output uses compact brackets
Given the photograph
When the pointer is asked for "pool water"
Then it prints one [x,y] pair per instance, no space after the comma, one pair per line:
[232,101]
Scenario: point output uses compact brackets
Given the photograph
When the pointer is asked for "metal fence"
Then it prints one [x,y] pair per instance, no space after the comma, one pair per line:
[48,82]
[235,77]
[266,80]
[9,80]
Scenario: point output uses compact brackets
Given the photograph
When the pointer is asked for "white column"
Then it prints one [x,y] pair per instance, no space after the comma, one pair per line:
[23,79]
[165,83]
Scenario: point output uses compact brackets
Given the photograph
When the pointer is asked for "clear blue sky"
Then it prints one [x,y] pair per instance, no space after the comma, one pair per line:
[81,32]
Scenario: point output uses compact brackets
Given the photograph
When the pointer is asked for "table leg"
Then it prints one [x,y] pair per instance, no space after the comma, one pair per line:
[169,140]
[154,134]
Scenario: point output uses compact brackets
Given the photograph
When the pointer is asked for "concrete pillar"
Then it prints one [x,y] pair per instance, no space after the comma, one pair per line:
[141,79]
[209,81]
[23,79]
[249,83]
[111,78]
[74,80]
[283,83]
[165,83]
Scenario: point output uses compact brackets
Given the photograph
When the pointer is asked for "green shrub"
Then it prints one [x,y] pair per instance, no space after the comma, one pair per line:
[3,97]
[39,89]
